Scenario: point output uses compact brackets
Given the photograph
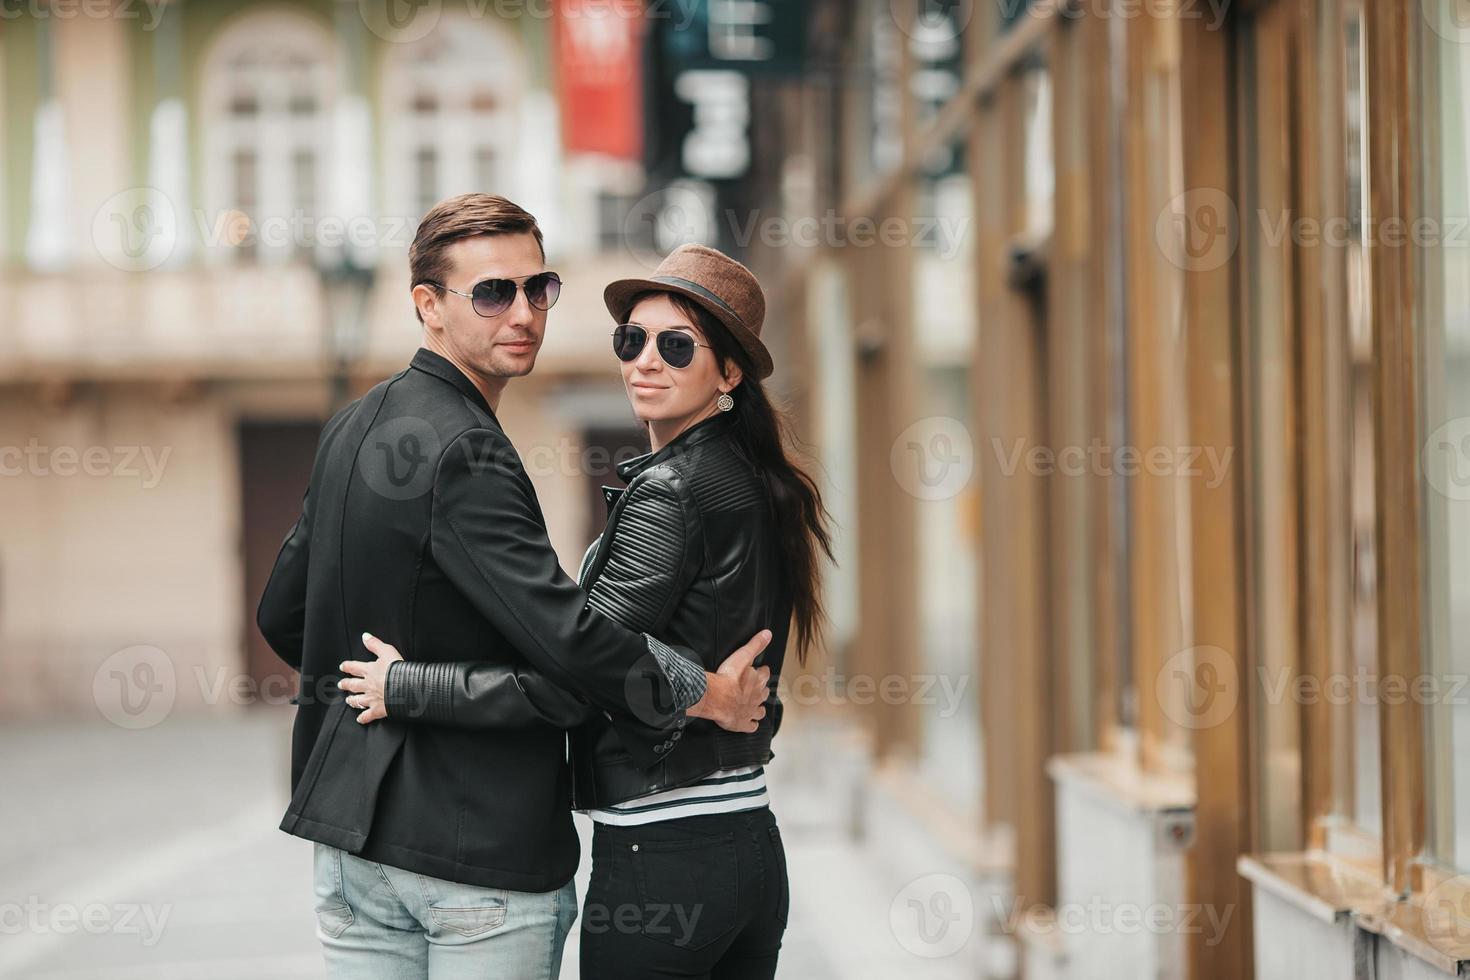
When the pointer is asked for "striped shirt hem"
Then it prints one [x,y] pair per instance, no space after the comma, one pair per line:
[724,791]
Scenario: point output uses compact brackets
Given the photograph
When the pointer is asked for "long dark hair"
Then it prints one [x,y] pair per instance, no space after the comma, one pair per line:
[764,432]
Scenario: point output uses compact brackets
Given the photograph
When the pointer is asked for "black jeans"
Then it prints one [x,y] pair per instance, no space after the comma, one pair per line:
[702,896]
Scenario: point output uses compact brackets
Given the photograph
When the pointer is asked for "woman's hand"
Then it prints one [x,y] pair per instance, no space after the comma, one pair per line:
[369,680]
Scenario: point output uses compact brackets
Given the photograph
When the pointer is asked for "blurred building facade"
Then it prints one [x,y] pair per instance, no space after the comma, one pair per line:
[1130,337]
[204,228]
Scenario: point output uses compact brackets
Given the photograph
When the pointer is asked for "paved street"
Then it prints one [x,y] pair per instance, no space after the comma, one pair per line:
[154,855]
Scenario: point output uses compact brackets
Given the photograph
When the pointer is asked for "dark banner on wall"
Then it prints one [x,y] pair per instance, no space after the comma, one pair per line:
[766,37]
[703,58]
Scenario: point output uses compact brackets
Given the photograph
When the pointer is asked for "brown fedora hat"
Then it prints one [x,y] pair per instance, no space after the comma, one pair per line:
[713,280]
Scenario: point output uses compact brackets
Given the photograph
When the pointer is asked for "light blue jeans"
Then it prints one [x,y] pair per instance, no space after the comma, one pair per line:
[382,923]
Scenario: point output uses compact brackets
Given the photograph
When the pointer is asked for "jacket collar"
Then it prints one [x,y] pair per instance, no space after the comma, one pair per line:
[703,431]
[443,368]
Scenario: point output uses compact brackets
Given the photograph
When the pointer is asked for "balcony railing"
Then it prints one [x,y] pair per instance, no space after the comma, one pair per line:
[251,321]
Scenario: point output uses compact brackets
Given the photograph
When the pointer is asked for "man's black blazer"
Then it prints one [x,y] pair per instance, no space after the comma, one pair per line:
[421,527]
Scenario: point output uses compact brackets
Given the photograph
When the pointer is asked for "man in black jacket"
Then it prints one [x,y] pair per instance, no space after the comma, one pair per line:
[443,852]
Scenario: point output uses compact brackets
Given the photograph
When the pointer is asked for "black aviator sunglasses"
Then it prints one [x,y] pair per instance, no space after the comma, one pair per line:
[675,346]
[492,297]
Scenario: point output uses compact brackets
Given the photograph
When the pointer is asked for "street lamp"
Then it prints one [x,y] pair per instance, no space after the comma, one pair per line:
[346,285]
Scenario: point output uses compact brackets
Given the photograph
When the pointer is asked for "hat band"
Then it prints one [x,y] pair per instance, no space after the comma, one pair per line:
[697,288]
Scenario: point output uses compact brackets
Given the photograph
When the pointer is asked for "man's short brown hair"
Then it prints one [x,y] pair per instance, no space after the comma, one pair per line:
[465,216]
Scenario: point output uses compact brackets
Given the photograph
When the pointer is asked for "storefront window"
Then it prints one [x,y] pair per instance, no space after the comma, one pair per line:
[1445,449]
[948,514]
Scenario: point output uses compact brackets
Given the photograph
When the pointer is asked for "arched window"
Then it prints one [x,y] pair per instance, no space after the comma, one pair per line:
[452,107]
[270,84]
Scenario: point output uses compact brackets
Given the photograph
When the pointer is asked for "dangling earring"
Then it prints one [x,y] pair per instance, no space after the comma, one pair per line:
[724,403]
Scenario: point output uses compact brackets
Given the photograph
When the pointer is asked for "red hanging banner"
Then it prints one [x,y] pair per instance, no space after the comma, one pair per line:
[598,49]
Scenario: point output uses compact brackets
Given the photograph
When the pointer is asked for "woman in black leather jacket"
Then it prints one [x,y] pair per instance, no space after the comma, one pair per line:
[717,535]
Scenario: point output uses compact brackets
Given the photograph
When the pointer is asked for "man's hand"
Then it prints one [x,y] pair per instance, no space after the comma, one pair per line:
[369,681]
[736,697]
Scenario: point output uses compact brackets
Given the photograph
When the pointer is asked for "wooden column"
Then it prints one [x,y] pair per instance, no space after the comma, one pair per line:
[888,641]
[1017,674]
[1216,535]
[1392,193]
